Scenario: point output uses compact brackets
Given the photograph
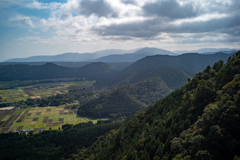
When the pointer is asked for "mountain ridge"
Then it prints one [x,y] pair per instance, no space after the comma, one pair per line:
[95,70]
[189,62]
[69,56]
[132,57]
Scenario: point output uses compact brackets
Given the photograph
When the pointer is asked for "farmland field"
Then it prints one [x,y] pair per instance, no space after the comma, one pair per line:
[39,118]
[40,90]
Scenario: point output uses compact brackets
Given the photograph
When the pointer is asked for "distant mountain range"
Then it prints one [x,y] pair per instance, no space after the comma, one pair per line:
[132,57]
[70,57]
[193,62]
[208,51]
[115,55]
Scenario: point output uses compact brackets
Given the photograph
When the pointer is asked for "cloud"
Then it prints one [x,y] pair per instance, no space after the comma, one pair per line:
[169,8]
[178,17]
[39,5]
[22,20]
[129,2]
[147,20]
[101,8]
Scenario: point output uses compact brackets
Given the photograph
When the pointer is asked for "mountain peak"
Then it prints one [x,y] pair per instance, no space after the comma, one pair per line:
[154,51]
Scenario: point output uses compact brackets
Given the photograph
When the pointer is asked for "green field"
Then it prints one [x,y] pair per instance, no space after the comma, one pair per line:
[37,118]
[23,93]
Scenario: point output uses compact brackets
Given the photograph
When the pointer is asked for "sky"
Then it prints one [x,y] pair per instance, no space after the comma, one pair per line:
[47,27]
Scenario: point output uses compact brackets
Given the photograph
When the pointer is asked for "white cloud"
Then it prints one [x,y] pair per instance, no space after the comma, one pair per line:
[201,18]
[39,5]
[125,22]
[21,20]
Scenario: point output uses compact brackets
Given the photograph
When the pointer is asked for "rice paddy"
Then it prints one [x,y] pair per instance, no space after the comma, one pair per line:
[39,118]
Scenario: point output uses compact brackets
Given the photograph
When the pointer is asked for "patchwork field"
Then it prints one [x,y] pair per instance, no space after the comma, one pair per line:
[38,118]
[40,91]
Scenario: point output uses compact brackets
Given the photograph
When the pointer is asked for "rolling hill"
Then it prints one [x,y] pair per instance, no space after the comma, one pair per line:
[126,100]
[117,65]
[96,70]
[189,62]
[173,77]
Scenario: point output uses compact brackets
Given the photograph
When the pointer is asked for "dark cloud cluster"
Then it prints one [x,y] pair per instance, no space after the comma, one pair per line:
[99,7]
[166,14]
[171,9]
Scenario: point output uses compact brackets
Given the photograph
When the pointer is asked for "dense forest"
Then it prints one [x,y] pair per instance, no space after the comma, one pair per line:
[126,100]
[173,77]
[54,145]
[199,121]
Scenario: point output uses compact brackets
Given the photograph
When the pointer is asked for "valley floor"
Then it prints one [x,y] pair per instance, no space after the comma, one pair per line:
[39,118]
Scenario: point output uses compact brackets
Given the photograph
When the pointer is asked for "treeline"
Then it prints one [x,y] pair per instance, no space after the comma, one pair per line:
[53,145]
[200,121]
[92,71]
[15,84]
[80,95]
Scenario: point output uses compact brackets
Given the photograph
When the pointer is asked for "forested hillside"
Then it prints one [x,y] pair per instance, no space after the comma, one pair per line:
[94,71]
[188,62]
[199,121]
[173,77]
[126,100]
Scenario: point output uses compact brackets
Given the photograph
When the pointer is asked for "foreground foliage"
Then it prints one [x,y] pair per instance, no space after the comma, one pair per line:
[51,144]
[199,121]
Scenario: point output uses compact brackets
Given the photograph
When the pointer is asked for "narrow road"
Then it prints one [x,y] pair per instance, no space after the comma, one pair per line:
[74,117]
[15,93]
[16,120]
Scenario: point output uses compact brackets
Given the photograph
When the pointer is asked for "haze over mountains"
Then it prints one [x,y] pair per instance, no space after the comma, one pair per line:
[65,57]
[132,57]
[114,55]
[208,51]
[188,62]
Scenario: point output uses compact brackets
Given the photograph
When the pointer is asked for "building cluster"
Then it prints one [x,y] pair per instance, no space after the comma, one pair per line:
[44,86]
[27,130]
